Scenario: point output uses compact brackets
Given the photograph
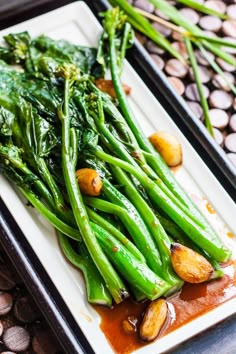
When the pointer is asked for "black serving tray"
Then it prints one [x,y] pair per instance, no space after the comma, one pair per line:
[20,252]
[40,286]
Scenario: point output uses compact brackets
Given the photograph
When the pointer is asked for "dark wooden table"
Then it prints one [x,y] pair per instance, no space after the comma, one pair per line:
[220,339]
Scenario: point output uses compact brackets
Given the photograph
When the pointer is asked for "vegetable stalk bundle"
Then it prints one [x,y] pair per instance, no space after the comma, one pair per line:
[55,123]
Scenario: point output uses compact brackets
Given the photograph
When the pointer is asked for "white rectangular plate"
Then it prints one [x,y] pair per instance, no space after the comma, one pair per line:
[76,23]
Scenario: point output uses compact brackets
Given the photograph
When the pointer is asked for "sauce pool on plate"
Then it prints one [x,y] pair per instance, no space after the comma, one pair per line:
[191,302]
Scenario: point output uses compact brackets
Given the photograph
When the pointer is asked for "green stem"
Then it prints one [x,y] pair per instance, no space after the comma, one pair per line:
[122,153]
[215,49]
[197,78]
[136,273]
[127,31]
[216,67]
[155,227]
[157,163]
[204,9]
[159,166]
[215,40]
[152,156]
[74,146]
[121,96]
[96,218]
[138,295]
[212,245]
[19,165]
[135,226]
[116,117]
[97,292]
[49,180]
[145,27]
[176,17]
[113,282]
[51,217]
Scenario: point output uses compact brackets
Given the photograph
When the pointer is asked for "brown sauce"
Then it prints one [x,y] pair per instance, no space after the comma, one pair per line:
[230,234]
[191,302]
[175,169]
[210,208]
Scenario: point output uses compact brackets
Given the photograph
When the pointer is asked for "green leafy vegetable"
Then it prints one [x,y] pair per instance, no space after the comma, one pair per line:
[55,121]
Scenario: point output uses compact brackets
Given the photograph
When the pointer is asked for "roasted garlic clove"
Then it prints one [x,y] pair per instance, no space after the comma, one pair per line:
[107,86]
[190,265]
[168,146]
[153,320]
[89,181]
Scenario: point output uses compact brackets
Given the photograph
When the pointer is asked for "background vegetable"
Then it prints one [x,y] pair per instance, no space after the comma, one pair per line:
[188,32]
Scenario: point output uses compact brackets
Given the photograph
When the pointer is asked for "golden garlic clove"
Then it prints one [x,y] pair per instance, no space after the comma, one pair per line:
[153,320]
[107,86]
[168,146]
[190,265]
[89,181]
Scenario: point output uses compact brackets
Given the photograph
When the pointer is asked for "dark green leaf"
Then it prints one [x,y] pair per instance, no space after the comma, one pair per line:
[6,122]
[63,51]
[18,50]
